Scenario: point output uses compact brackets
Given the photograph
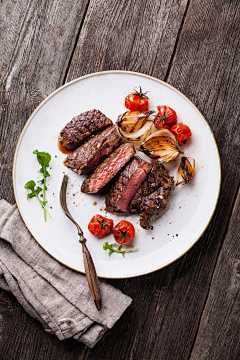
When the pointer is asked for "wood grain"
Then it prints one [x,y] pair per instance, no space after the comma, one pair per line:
[165,315]
[200,41]
[220,326]
[37,39]
[133,35]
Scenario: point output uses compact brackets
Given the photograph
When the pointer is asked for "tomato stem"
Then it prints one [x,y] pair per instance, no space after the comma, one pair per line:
[102,223]
[123,233]
[163,117]
[140,93]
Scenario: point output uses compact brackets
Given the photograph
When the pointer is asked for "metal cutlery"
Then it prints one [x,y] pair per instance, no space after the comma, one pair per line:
[87,258]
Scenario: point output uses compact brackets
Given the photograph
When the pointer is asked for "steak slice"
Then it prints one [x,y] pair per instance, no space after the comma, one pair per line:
[81,127]
[108,168]
[128,182]
[87,157]
[158,176]
[152,205]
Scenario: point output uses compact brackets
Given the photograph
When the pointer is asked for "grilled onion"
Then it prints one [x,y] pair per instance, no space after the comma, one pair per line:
[186,170]
[134,125]
[160,144]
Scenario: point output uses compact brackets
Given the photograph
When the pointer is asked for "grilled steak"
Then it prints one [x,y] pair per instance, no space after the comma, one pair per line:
[87,157]
[108,168]
[152,205]
[129,180]
[158,176]
[81,127]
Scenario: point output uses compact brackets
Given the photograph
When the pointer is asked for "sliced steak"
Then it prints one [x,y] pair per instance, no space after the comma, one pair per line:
[128,182]
[108,168]
[81,127]
[152,205]
[87,157]
[158,176]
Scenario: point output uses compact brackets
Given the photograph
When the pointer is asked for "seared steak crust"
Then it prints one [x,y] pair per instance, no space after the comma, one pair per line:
[152,205]
[81,127]
[108,168]
[158,176]
[87,157]
[129,180]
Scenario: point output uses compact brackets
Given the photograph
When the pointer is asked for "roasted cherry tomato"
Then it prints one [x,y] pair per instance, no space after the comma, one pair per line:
[100,226]
[165,118]
[182,133]
[123,232]
[137,101]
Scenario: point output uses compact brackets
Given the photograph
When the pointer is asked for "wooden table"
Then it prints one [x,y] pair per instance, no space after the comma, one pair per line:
[189,310]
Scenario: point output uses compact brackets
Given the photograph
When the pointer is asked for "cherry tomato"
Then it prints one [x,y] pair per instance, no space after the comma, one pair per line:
[123,232]
[100,226]
[137,101]
[165,118]
[182,133]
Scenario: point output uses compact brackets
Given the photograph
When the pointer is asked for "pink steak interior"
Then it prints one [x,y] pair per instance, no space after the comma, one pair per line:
[112,167]
[132,186]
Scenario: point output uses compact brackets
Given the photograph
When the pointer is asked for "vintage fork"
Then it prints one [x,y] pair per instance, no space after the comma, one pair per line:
[87,258]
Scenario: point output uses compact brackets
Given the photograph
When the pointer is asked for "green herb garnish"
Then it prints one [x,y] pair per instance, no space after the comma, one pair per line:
[44,160]
[107,246]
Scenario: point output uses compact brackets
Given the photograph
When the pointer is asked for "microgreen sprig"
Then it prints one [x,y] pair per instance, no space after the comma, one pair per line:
[30,185]
[107,246]
[44,160]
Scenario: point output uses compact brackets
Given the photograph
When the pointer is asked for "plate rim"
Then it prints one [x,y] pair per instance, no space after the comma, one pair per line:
[112,72]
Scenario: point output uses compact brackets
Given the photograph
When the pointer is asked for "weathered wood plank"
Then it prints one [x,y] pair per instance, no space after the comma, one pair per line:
[218,335]
[39,87]
[163,320]
[134,35]
[164,317]
[37,39]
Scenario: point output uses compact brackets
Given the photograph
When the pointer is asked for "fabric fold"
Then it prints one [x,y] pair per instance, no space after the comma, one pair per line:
[50,292]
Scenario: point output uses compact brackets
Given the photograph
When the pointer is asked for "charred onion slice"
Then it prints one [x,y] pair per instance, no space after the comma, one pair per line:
[131,123]
[186,170]
[137,136]
[160,144]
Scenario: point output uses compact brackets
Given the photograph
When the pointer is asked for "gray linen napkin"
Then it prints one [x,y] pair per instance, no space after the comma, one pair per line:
[50,292]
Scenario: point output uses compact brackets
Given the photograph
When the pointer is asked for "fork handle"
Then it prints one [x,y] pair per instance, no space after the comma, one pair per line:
[91,276]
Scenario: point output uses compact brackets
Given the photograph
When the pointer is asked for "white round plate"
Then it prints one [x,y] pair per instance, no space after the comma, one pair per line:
[174,232]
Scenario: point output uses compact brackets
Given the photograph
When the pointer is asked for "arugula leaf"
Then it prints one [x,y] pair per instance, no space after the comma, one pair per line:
[30,185]
[34,192]
[44,160]
[107,246]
